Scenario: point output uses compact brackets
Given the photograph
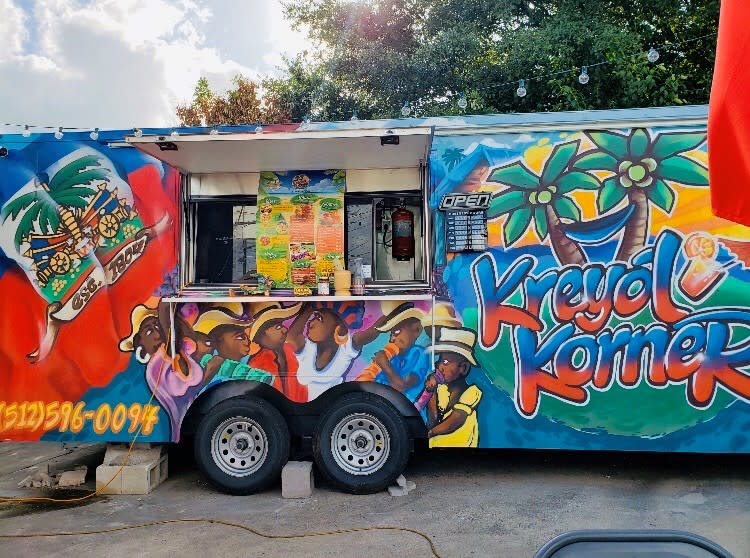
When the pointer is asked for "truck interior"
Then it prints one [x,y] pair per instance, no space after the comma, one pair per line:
[385,168]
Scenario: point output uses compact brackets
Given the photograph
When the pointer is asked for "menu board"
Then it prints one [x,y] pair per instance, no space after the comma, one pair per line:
[300,226]
[466,230]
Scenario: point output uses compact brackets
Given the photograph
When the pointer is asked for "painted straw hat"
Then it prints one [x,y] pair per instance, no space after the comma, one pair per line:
[211,319]
[137,316]
[397,312]
[444,315]
[458,340]
[264,312]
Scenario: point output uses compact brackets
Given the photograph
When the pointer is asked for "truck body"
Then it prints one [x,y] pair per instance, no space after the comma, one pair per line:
[569,288]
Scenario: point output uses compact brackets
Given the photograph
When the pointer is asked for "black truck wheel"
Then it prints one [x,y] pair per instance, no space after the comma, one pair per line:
[241,445]
[361,444]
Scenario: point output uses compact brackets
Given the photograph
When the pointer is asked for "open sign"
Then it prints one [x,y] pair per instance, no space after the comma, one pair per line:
[478,201]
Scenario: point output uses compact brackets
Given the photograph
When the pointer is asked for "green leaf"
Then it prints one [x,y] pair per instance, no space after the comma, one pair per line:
[612,143]
[558,161]
[71,201]
[639,142]
[577,181]
[567,208]
[49,220]
[77,191]
[610,195]
[516,175]
[662,195]
[86,177]
[14,207]
[26,224]
[672,143]
[683,170]
[540,221]
[505,202]
[516,225]
[69,171]
[596,160]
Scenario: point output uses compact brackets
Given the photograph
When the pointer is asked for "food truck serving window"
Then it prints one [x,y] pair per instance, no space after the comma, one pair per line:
[312,200]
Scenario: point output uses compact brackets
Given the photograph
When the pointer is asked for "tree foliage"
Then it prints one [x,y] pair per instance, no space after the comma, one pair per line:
[372,56]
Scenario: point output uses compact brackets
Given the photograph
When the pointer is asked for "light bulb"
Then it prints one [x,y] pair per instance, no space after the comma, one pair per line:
[406,109]
[521,91]
[137,132]
[354,117]
[26,132]
[653,55]
[95,134]
[583,79]
[462,102]
[174,133]
[59,133]
[258,128]
[214,131]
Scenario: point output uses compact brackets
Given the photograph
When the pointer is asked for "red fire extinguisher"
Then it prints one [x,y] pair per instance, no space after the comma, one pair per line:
[403,234]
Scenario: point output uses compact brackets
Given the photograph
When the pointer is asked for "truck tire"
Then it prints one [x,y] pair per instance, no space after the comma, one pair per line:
[241,445]
[361,444]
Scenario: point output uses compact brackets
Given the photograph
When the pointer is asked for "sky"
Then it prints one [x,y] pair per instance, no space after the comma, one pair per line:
[127,63]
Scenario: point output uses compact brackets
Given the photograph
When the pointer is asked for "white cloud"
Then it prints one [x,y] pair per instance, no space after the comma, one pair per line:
[122,63]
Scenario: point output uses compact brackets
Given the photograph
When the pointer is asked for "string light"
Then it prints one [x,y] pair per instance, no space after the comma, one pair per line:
[583,79]
[652,55]
[462,102]
[174,133]
[406,109]
[258,128]
[521,91]
[214,131]
[95,134]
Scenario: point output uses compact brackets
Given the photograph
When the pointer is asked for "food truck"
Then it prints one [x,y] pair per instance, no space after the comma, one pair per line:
[550,281]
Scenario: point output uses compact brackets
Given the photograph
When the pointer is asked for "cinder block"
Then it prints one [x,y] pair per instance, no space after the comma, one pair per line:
[76,477]
[132,479]
[297,480]
[105,473]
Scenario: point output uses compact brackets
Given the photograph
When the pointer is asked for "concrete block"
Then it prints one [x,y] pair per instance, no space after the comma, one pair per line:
[76,477]
[297,480]
[397,491]
[140,478]
[118,454]
[105,474]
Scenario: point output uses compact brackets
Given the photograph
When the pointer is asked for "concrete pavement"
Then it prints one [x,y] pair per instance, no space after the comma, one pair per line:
[470,502]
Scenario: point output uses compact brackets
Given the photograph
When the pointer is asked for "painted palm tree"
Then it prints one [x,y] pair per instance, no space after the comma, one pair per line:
[53,204]
[452,157]
[642,164]
[544,199]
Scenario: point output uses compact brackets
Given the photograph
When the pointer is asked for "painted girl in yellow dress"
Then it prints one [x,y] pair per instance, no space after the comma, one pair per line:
[452,409]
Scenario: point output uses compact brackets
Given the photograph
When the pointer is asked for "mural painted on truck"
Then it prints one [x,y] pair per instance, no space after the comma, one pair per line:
[611,307]
[305,349]
[86,233]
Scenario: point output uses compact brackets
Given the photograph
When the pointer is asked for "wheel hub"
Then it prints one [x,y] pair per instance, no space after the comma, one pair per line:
[239,446]
[360,444]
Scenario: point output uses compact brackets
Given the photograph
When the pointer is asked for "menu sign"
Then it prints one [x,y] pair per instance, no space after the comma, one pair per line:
[465,221]
[300,228]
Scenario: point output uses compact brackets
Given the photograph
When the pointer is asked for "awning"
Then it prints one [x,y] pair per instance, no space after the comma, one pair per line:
[299,150]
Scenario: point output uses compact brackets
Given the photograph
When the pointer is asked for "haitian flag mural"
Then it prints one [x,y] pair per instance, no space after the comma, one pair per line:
[611,305]
[87,233]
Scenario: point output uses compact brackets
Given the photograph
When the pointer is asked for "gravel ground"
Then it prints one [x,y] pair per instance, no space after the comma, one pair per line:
[469,502]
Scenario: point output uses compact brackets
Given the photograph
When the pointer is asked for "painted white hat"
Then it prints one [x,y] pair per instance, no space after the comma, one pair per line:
[264,312]
[459,340]
[137,316]
[397,312]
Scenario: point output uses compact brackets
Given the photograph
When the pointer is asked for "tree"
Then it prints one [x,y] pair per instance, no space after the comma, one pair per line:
[543,199]
[52,204]
[641,165]
[239,105]
[373,56]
